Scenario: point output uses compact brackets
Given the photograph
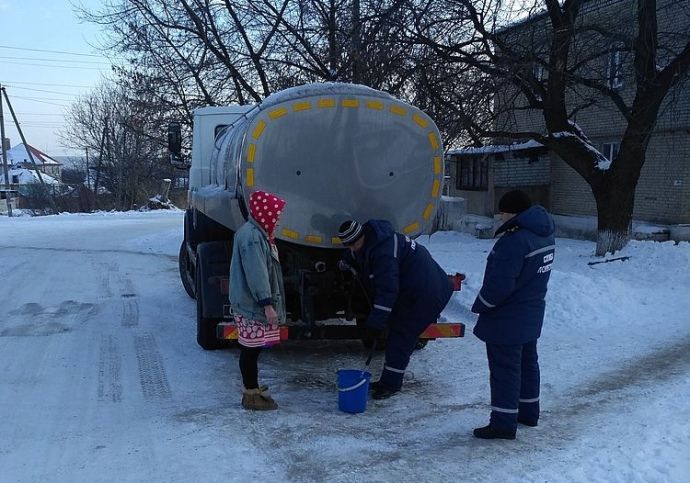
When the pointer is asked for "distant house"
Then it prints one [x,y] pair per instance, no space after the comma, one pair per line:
[18,157]
[24,176]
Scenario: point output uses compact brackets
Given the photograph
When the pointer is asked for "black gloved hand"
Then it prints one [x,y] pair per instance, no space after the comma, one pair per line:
[346,267]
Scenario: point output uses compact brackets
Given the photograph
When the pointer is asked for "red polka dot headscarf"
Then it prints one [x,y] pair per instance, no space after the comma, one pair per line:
[266,208]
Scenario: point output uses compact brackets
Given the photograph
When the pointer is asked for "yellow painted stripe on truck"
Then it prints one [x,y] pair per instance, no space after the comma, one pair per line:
[250,177]
[301,106]
[277,113]
[313,238]
[400,111]
[326,103]
[411,228]
[290,233]
[259,129]
[433,140]
[420,120]
[376,105]
[350,103]
[251,153]
[437,165]
[436,188]
[428,210]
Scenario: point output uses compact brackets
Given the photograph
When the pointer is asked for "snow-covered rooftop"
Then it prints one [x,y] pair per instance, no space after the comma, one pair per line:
[497,148]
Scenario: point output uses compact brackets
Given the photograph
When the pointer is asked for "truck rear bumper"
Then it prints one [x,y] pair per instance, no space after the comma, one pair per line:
[227,330]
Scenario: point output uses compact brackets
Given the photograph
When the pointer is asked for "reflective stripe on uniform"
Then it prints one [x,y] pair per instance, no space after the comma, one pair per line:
[395,245]
[541,250]
[504,410]
[481,299]
[393,369]
[534,399]
[381,307]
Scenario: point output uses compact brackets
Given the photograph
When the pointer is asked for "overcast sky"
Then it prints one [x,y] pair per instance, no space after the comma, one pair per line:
[47,59]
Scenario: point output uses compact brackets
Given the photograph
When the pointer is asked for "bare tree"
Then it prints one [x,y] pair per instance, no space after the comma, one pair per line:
[558,62]
[130,156]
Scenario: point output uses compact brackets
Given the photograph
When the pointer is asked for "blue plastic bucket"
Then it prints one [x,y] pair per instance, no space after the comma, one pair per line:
[353,390]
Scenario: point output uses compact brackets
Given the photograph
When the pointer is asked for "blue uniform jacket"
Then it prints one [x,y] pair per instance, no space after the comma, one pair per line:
[400,275]
[510,303]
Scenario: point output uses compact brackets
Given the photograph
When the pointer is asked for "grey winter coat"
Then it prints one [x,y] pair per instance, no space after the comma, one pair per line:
[256,279]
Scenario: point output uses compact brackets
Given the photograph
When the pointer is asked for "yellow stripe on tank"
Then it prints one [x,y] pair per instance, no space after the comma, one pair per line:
[259,129]
[421,122]
[277,113]
[313,238]
[437,165]
[400,111]
[336,241]
[251,153]
[428,210]
[326,103]
[350,103]
[301,106]
[290,233]
[375,105]
[433,140]
[250,177]
[411,228]
[435,189]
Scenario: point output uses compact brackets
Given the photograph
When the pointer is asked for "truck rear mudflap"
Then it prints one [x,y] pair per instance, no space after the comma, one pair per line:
[227,330]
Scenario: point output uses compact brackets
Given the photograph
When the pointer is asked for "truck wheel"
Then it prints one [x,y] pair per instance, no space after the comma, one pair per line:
[185,270]
[206,335]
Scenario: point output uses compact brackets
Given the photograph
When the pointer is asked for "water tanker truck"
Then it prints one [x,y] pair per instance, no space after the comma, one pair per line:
[333,152]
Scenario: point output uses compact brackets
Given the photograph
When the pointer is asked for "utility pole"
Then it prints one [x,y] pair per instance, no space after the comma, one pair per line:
[4,158]
[100,163]
[28,151]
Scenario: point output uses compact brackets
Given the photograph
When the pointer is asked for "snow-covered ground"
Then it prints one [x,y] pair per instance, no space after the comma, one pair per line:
[101,378]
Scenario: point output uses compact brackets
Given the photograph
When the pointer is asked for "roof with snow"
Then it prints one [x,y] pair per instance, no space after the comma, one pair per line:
[26,176]
[496,148]
[18,154]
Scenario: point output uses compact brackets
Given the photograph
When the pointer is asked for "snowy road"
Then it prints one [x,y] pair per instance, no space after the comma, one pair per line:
[101,378]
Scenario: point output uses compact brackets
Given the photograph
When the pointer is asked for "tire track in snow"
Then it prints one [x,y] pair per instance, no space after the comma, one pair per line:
[154,381]
[109,373]
[130,312]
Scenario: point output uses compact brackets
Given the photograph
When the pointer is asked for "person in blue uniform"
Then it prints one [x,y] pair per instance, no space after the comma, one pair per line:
[511,305]
[407,288]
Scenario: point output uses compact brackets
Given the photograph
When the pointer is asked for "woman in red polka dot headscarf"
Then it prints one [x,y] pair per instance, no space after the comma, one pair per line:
[256,292]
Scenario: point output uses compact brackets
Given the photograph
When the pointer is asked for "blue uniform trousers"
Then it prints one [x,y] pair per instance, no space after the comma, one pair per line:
[403,334]
[514,383]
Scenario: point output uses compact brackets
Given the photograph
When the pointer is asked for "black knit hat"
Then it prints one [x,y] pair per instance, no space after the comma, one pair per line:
[350,231]
[514,202]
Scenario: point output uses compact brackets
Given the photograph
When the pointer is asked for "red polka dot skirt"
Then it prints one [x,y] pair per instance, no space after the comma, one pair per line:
[253,333]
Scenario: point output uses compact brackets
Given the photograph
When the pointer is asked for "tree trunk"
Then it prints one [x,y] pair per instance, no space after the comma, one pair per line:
[615,199]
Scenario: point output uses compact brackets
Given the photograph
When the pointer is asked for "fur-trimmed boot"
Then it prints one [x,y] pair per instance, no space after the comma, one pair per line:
[258,400]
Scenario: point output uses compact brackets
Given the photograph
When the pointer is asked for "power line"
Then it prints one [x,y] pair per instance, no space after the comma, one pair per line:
[55,66]
[43,84]
[49,51]
[40,90]
[57,60]
[42,102]
[42,98]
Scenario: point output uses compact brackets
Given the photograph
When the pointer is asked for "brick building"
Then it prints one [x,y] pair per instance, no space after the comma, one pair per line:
[482,175]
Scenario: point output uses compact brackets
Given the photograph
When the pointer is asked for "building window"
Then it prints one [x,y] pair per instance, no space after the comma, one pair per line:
[614,68]
[473,174]
[15,179]
[539,72]
[610,150]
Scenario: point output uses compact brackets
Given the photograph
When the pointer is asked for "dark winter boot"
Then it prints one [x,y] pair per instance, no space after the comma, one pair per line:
[490,432]
[527,422]
[381,391]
